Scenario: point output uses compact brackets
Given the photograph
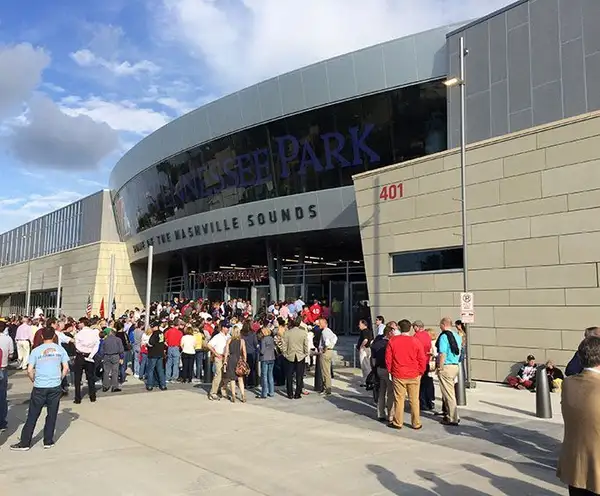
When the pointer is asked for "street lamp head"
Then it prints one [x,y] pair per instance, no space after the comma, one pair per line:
[453,82]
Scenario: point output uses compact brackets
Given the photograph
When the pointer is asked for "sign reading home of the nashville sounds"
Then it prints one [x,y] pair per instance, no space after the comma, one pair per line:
[282,215]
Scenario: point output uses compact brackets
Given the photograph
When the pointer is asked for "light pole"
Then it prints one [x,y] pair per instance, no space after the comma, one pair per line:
[460,81]
[27,239]
[192,274]
[149,285]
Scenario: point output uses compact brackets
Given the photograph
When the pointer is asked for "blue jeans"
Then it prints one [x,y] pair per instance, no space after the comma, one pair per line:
[199,364]
[267,384]
[40,397]
[144,365]
[3,398]
[155,364]
[173,355]
[136,361]
[123,366]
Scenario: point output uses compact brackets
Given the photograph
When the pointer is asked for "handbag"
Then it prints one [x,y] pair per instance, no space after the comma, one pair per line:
[242,369]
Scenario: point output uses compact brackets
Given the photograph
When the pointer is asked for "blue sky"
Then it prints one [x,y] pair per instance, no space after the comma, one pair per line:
[83,80]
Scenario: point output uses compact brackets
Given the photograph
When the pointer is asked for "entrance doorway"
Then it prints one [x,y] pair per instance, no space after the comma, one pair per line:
[359,298]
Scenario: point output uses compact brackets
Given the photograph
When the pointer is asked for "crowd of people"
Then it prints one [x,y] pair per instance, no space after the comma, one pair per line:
[184,341]
[190,341]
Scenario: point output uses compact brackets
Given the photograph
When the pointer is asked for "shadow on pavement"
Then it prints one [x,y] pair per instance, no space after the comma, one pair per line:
[390,482]
[18,414]
[509,408]
[509,485]
[63,421]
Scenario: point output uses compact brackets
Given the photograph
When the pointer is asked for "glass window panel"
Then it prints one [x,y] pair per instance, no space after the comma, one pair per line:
[318,149]
[427,260]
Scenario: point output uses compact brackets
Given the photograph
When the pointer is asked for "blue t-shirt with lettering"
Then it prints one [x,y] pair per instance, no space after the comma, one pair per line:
[47,360]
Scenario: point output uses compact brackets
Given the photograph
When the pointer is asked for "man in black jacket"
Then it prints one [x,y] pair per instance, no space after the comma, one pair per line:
[575,366]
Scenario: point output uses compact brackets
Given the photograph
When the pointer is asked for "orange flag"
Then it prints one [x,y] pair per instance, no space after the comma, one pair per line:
[102,309]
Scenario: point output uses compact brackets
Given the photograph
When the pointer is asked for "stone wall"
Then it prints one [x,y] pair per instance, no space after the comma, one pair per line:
[86,270]
[533,201]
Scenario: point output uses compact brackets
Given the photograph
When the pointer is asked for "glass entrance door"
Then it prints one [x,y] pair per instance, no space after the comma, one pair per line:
[338,305]
[291,292]
[238,293]
[359,298]
[260,298]
[213,294]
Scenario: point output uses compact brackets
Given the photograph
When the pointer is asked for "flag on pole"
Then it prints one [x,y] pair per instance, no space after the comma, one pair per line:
[88,307]
[102,309]
[113,309]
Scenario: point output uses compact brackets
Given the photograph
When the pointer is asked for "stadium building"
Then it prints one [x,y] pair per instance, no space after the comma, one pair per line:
[339,180]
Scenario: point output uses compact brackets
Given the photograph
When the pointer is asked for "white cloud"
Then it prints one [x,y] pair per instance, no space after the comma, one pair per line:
[21,68]
[55,139]
[53,87]
[92,183]
[245,41]
[121,115]
[17,211]
[86,58]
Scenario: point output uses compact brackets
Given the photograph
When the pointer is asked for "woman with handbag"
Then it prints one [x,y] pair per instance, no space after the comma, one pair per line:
[236,366]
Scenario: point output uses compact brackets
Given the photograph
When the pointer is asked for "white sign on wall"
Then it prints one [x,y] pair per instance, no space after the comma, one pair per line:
[467,308]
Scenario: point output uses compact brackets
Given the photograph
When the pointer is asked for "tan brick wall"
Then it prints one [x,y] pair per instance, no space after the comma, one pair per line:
[533,201]
[86,270]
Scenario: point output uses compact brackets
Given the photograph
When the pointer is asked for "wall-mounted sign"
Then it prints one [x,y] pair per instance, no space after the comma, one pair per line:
[391,192]
[233,223]
[467,308]
[253,275]
[288,153]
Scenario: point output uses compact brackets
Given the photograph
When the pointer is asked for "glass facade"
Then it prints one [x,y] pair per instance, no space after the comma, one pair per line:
[51,233]
[315,150]
[427,260]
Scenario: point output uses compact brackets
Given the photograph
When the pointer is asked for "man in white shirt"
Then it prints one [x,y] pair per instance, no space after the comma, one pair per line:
[24,338]
[217,347]
[379,326]
[298,305]
[326,346]
[87,342]
[6,351]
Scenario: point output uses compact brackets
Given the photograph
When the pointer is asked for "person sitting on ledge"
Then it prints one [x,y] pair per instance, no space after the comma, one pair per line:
[555,376]
[525,378]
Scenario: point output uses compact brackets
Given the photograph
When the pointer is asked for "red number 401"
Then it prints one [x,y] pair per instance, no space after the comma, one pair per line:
[391,192]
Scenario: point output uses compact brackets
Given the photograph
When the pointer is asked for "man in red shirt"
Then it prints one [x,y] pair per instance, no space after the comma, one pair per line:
[315,311]
[427,391]
[173,337]
[406,362]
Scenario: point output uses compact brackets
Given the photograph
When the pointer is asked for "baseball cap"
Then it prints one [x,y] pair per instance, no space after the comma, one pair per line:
[530,357]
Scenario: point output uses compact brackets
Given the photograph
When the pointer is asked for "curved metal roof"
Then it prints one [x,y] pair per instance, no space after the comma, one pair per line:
[392,64]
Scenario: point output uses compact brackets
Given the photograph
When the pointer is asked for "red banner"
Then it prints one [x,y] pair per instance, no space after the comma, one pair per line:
[254,275]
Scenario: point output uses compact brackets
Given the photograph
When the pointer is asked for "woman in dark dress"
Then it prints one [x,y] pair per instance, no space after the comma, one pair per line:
[236,349]
[249,336]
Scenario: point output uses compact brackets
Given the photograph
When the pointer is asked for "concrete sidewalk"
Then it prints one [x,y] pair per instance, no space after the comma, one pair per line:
[179,443]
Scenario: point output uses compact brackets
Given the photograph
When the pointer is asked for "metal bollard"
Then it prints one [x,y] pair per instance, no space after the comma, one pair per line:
[543,405]
[208,371]
[460,387]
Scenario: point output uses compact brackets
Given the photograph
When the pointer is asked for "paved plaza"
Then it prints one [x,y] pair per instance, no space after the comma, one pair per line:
[179,443]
